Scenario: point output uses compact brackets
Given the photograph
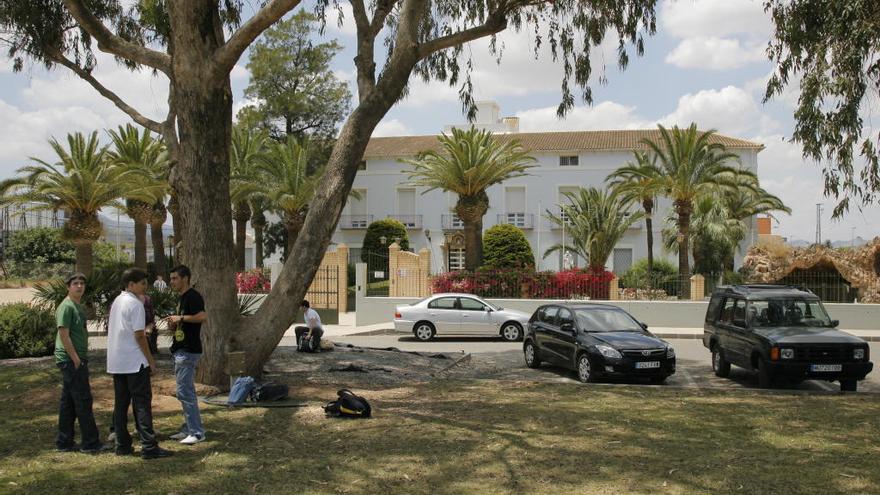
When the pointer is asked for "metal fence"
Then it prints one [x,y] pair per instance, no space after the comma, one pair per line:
[571,284]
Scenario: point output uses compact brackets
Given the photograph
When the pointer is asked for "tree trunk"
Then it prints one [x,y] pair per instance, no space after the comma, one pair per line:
[177,229]
[471,209]
[293,224]
[258,222]
[241,215]
[200,178]
[684,208]
[84,256]
[140,244]
[158,248]
[649,226]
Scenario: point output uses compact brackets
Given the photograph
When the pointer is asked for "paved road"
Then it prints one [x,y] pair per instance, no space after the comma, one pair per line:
[693,361]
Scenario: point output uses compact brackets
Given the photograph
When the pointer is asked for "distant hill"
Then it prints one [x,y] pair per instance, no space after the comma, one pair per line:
[858,241]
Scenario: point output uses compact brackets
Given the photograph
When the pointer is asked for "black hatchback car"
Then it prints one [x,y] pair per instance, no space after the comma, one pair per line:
[596,340]
[781,331]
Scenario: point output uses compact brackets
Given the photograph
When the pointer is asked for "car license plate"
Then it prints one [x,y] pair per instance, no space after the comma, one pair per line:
[647,365]
[826,367]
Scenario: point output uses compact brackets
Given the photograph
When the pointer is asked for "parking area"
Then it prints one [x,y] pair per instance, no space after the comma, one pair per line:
[493,358]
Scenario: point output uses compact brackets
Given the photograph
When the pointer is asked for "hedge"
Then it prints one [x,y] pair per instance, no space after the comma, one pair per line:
[526,284]
[26,331]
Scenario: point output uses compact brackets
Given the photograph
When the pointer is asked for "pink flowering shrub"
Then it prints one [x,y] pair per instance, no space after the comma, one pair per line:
[569,284]
[252,282]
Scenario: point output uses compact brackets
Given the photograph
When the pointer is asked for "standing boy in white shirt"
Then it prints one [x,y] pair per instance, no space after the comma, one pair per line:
[130,362]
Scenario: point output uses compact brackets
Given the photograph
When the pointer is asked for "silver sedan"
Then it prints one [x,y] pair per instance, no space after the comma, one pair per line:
[459,314]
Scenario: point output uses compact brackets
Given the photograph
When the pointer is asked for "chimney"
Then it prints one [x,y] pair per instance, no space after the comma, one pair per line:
[511,123]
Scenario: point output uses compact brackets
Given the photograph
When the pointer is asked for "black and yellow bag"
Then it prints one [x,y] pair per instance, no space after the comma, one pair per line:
[348,405]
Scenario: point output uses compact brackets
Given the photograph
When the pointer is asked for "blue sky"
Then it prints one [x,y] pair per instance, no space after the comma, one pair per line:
[706,65]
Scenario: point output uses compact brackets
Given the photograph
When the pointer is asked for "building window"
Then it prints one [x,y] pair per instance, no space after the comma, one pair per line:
[568,161]
[623,259]
[456,259]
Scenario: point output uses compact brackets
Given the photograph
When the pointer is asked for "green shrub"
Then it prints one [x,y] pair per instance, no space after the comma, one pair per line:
[665,276]
[39,245]
[505,246]
[26,331]
[390,229]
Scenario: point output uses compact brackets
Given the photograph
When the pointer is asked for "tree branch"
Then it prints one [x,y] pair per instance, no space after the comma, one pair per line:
[228,54]
[111,43]
[59,58]
[495,23]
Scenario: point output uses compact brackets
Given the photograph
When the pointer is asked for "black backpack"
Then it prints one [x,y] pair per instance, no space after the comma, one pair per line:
[269,392]
[348,405]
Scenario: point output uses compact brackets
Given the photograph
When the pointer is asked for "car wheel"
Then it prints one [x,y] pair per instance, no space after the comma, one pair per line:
[585,370]
[849,385]
[765,376]
[424,331]
[720,366]
[511,332]
[530,352]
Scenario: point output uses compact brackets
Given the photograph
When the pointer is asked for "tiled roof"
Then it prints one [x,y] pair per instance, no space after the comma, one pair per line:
[401,146]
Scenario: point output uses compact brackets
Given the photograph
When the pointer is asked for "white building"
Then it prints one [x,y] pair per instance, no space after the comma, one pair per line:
[565,162]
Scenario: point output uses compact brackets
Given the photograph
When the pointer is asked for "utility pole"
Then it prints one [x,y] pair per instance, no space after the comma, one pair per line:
[818,223]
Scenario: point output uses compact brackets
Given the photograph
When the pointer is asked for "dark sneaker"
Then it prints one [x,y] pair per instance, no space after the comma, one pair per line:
[156,453]
[122,451]
[96,450]
[68,448]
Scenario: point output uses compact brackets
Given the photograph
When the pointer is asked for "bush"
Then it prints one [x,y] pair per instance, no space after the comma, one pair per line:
[665,276]
[390,229]
[505,247]
[26,331]
[39,245]
[569,284]
[253,282]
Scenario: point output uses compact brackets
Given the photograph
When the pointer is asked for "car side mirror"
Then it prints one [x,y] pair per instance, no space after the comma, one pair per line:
[643,325]
[835,323]
[488,310]
[567,327]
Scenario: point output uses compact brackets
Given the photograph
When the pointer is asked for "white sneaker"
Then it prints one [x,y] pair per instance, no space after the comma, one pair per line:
[180,435]
[192,439]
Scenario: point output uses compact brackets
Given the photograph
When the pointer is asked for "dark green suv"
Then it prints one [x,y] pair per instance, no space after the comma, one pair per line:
[781,331]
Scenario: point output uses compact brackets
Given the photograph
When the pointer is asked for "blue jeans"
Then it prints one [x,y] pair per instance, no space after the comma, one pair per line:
[185,371]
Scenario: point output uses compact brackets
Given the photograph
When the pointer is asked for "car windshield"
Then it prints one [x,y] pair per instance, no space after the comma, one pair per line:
[787,313]
[606,320]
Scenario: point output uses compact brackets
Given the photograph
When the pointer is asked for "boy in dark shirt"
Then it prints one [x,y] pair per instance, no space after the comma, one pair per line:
[186,350]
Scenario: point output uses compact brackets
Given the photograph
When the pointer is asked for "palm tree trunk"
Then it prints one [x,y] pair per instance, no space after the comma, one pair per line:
[158,248]
[684,225]
[473,244]
[84,256]
[140,244]
[293,224]
[258,245]
[240,235]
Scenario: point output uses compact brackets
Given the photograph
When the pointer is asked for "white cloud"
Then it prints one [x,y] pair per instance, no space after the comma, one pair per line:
[239,73]
[730,110]
[393,127]
[687,18]
[714,54]
[605,115]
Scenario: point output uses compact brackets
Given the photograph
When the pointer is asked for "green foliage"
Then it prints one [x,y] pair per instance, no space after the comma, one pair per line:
[291,78]
[831,48]
[664,276]
[274,238]
[106,254]
[26,331]
[390,229]
[505,246]
[39,245]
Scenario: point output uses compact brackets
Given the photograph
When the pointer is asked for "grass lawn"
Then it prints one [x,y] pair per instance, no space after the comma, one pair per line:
[466,437]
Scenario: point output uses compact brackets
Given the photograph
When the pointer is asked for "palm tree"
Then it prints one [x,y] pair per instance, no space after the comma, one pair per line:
[470,162]
[259,206]
[714,235]
[146,157]
[691,165]
[81,183]
[247,150]
[637,182]
[288,186]
[597,220]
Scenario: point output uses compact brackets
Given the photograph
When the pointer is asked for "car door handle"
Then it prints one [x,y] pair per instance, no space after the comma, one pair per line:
[432,314]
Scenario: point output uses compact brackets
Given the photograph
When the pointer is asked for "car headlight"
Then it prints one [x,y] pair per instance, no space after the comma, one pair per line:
[608,352]
[786,353]
[670,352]
[859,354]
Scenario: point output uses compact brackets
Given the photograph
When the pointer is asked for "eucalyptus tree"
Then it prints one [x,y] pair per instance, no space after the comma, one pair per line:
[596,220]
[196,44]
[469,162]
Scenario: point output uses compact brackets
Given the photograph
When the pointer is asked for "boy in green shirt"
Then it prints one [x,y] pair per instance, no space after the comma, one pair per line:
[71,357]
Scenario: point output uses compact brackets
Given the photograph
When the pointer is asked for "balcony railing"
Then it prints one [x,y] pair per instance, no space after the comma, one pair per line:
[451,222]
[409,221]
[564,216]
[355,221]
[521,220]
